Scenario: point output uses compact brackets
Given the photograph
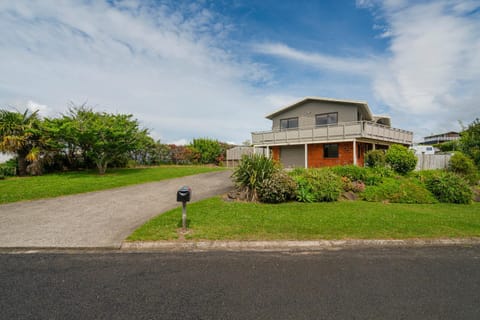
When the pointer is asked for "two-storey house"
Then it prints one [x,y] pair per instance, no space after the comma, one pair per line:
[317,132]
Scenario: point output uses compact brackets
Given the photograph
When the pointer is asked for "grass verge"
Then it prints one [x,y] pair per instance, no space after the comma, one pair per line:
[53,185]
[214,219]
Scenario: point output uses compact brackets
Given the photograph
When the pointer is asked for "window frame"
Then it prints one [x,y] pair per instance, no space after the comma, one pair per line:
[288,122]
[326,147]
[325,114]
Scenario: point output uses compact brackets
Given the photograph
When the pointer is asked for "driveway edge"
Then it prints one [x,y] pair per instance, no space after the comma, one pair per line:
[290,245]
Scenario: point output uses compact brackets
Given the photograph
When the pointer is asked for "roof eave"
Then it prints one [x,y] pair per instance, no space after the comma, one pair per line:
[298,102]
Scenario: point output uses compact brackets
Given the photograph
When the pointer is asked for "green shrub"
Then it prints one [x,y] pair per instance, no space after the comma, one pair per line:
[9,168]
[464,166]
[447,146]
[352,172]
[251,172]
[317,185]
[399,190]
[280,187]
[207,150]
[424,175]
[304,194]
[401,159]
[375,158]
[449,187]
[375,175]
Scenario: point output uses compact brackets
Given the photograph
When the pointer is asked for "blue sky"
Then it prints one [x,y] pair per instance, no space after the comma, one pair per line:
[190,69]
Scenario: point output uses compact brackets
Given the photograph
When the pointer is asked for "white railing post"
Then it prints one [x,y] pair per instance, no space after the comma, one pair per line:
[354,151]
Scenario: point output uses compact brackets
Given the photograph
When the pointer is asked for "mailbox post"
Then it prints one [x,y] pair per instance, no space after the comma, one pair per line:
[183,195]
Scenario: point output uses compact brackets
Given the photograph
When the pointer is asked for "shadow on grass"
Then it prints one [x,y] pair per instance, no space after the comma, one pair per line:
[179,224]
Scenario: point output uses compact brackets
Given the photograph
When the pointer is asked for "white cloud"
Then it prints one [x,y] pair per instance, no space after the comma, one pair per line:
[428,78]
[169,67]
[432,73]
[180,142]
[318,60]
[42,109]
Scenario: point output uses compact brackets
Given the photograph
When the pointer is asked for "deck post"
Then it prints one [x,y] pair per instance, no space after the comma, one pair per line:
[306,156]
[354,151]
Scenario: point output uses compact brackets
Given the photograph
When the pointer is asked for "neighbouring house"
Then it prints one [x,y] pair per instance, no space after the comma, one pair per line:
[316,132]
[442,137]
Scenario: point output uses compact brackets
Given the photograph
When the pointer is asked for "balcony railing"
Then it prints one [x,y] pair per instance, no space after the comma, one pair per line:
[336,132]
[439,139]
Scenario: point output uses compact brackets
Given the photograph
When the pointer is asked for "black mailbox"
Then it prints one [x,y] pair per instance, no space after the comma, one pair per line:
[184,194]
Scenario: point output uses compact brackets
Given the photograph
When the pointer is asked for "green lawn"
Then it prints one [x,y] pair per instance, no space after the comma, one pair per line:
[53,185]
[214,219]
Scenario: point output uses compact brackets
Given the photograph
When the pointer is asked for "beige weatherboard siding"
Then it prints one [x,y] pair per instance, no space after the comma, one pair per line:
[355,121]
[307,111]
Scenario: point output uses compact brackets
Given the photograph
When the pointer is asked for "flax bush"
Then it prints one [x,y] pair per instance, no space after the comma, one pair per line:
[252,171]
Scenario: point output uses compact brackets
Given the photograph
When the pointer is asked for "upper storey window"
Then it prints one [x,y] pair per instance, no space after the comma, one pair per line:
[289,123]
[326,118]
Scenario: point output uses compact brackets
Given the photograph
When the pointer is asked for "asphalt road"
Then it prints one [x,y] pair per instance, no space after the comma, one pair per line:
[395,283]
[98,219]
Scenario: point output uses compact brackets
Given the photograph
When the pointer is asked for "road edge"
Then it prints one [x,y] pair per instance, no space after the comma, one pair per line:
[311,245]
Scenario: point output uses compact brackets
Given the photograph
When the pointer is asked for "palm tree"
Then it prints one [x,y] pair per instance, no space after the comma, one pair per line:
[20,134]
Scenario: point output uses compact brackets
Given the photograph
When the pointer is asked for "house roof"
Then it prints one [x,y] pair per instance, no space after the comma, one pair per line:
[361,104]
[382,119]
[442,134]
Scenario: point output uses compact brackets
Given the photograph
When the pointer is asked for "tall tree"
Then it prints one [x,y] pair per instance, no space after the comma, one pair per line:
[470,141]
[20,133]
[104,137]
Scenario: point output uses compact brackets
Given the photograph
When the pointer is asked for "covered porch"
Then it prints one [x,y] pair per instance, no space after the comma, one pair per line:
[321,154]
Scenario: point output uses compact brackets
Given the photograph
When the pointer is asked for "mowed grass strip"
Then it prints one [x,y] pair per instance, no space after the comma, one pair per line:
[214,219]
[53,185]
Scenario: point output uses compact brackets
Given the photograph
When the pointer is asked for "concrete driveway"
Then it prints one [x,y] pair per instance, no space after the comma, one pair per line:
[98,219]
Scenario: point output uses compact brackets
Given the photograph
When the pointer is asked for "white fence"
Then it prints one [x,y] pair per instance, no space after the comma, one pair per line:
[432,161]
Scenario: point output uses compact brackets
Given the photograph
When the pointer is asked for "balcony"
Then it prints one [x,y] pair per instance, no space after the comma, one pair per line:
[337,132]
[439,139]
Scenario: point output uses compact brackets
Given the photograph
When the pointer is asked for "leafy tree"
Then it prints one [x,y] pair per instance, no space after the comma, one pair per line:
[145,153]
[447,146]
[207,150]
[181,154]
[103,137]
[470,141]
[62,138]
[163,153]
[21,133]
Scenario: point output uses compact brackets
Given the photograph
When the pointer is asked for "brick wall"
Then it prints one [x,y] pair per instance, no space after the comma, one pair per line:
[316,159]
[345,155]
[276,153]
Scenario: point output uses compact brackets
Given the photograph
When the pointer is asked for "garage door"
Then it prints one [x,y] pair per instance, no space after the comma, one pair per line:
[292,156]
